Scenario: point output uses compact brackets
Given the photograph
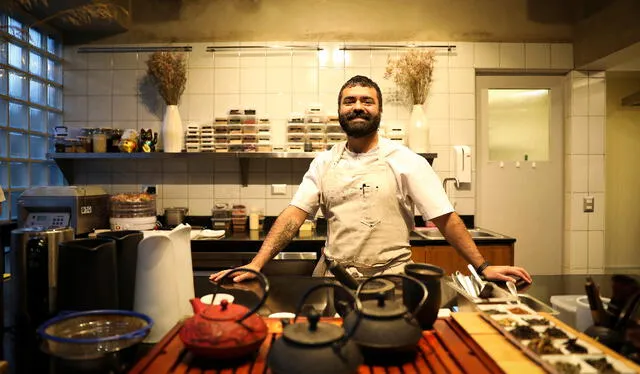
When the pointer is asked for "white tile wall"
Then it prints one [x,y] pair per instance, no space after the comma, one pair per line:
[106,90]
[537,56]
[584,168]
[511,55]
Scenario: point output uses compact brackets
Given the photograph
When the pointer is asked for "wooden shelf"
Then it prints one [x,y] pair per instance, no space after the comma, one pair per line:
[67,161]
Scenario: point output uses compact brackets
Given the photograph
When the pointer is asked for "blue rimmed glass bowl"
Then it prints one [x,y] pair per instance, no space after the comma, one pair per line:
[93,334]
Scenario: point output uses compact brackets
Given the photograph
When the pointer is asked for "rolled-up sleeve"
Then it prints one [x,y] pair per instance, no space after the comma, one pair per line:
[421,183]
[307,197]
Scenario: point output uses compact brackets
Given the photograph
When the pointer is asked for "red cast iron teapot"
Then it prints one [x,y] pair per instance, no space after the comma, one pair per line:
[225,331]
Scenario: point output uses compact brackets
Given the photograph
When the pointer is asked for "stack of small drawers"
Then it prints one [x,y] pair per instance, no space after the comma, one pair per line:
[206,138]
[334,132]
[242,131]
[396,133]
[192,138]
[296,133]
[316,128]
[264,134]
[308,132]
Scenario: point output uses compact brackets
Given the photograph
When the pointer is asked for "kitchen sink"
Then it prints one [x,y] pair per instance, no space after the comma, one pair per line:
[435,234]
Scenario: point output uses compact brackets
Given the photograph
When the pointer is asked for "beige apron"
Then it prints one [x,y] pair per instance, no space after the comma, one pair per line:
[366,231]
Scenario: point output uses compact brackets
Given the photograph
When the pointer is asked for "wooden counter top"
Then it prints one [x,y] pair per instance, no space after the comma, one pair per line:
[446,349]
[462,343]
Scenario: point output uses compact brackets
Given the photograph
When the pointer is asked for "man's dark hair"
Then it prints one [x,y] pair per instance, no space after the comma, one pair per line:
[362,81]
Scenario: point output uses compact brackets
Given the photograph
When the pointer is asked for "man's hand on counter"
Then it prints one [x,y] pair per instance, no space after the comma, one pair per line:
[505,273]
[237,277]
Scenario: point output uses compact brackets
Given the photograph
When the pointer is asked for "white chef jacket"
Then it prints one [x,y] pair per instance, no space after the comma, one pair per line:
[418,185]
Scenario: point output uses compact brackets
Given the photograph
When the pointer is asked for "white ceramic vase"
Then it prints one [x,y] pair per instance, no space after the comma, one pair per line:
[172,132]
[418,134]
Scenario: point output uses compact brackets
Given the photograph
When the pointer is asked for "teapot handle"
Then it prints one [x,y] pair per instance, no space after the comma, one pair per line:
[411,279]
[331,284]
[264,282]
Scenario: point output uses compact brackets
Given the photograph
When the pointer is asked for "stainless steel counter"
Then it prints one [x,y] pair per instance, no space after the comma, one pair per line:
[286,291]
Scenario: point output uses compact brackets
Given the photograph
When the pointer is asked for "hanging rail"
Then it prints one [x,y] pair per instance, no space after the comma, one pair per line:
[180,48]
[280,47]
[355,47]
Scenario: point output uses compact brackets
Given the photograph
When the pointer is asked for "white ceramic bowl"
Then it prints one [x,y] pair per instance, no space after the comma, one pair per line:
[206,299]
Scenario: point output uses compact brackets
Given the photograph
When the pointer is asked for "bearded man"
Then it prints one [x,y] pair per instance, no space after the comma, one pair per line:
[367,188]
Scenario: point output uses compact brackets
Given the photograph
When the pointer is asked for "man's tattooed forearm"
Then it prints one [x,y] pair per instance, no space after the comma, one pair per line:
[288,232]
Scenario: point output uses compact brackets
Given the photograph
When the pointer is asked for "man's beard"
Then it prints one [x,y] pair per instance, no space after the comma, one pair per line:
[360,129]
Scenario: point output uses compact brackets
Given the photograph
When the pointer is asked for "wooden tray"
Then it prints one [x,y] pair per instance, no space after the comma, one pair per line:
[446,349]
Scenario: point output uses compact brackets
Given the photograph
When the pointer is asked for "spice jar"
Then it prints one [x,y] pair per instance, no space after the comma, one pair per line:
[59,145]
[81,145]
[99,141]
[86,135]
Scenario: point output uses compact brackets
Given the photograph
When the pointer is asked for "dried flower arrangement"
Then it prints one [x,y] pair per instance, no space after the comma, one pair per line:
[413,73]
[80,15]
[168,71]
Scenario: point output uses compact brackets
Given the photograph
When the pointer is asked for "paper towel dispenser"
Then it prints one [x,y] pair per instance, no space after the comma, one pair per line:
[462,169]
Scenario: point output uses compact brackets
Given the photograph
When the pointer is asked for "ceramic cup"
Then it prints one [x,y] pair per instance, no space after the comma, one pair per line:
[430,276]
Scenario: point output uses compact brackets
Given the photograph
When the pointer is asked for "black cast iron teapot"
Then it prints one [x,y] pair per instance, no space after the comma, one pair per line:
[315,347]
[385,330]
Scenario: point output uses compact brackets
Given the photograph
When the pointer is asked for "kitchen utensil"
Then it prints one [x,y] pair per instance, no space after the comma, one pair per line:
[175,215]
[464,283]
[342,275]
[385,331]
[341,300]
[429,276]
[514,292]
[92,334]
[164,278]
[600,316]
[226,331]
[485,288]
[315,347]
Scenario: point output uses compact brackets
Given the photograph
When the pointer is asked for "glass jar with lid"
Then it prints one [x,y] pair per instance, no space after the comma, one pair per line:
[86,134]
[99,141]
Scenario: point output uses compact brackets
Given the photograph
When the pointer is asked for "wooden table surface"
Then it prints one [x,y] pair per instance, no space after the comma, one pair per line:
[446,349]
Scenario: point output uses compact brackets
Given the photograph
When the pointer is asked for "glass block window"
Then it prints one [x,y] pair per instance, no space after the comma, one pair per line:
[30,107]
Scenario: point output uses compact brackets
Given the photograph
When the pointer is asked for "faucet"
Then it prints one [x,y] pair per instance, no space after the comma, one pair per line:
[444,184]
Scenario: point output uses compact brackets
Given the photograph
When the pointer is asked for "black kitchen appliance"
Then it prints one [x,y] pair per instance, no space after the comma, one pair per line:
[127,260]
[88,275]
[34,256]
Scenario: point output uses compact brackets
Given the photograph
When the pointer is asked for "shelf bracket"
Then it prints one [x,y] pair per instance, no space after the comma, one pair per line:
[67,168]
[244,171]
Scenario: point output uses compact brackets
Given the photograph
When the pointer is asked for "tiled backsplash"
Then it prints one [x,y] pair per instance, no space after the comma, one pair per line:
[103,90]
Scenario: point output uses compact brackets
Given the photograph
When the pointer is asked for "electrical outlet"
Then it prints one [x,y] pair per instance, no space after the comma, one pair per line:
[588,204]
[150,188]
[278,189]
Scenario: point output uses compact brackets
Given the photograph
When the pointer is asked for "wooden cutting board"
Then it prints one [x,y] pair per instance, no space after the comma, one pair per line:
[508,357]
[446,349]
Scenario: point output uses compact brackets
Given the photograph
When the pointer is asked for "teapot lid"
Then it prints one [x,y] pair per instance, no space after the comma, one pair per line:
[313,333]
[380,308]
[224,312]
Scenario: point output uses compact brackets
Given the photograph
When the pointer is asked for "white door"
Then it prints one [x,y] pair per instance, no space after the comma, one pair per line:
[520,166]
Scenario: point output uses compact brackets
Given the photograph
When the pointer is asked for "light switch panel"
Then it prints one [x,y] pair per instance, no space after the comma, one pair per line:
[278,189]
[588,204]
